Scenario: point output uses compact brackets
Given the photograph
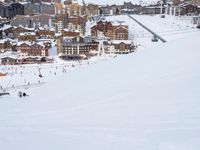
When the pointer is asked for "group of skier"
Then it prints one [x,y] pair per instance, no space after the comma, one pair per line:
[22,94]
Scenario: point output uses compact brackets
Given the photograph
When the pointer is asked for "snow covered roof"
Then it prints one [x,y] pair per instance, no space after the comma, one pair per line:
[23,3]
[11,57]
[31,43]
[52,29]
[68,37]
[27,33]
[47,3]
[6,27]
[70,30]
[121,27]
[58,34]
[117,23]
[7,39]
[2,41]
[29,28]
[41,44]
[121,41]
[23,42]
[8,54]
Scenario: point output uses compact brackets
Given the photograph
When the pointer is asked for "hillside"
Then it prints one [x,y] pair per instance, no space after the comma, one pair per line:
[148,100]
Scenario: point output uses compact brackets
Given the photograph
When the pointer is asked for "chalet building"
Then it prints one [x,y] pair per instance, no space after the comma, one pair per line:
[63,17]
[38,50]
[23,50]
[92,10]
[20,29]
[9,60]
[77,23]
[4,21]
[10,10]
[15,60]
[5,45]
[112,31]
[27,36]
[70,33]
[6,30]
[35,60]
[123,47]
[40,20]
[120,33]
[77,47]
[31,50]
[45,33]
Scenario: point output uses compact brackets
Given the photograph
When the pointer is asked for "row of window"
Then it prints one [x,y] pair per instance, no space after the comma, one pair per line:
[70,52]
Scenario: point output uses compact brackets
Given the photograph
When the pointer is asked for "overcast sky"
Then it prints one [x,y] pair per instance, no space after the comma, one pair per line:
[104,2]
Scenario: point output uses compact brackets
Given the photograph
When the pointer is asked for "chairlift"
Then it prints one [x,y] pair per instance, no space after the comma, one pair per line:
[40,75]
[154,39]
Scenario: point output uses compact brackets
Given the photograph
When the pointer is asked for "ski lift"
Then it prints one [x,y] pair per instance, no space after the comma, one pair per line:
[40,75]
[154,39]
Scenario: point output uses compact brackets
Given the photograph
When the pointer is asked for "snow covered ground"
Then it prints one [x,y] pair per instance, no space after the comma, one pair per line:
[148,100]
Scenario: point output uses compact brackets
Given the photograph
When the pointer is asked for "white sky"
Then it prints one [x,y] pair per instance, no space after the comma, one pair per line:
[104,2]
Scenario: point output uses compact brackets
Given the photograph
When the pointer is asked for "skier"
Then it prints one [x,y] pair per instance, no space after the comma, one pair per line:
[24,94]
[20,94]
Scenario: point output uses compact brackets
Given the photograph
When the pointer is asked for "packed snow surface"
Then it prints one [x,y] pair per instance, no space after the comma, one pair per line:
[148,100]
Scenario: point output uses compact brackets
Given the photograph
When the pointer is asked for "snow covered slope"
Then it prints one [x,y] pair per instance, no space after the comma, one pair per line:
[148,100]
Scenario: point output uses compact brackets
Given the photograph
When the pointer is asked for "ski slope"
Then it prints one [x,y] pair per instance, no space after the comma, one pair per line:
[148,100]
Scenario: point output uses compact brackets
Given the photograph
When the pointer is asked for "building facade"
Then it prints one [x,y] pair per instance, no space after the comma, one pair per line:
[39,8]
[40,20]
[10,10]
[25,50]
[77,47]
[112,31]
[27,36]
